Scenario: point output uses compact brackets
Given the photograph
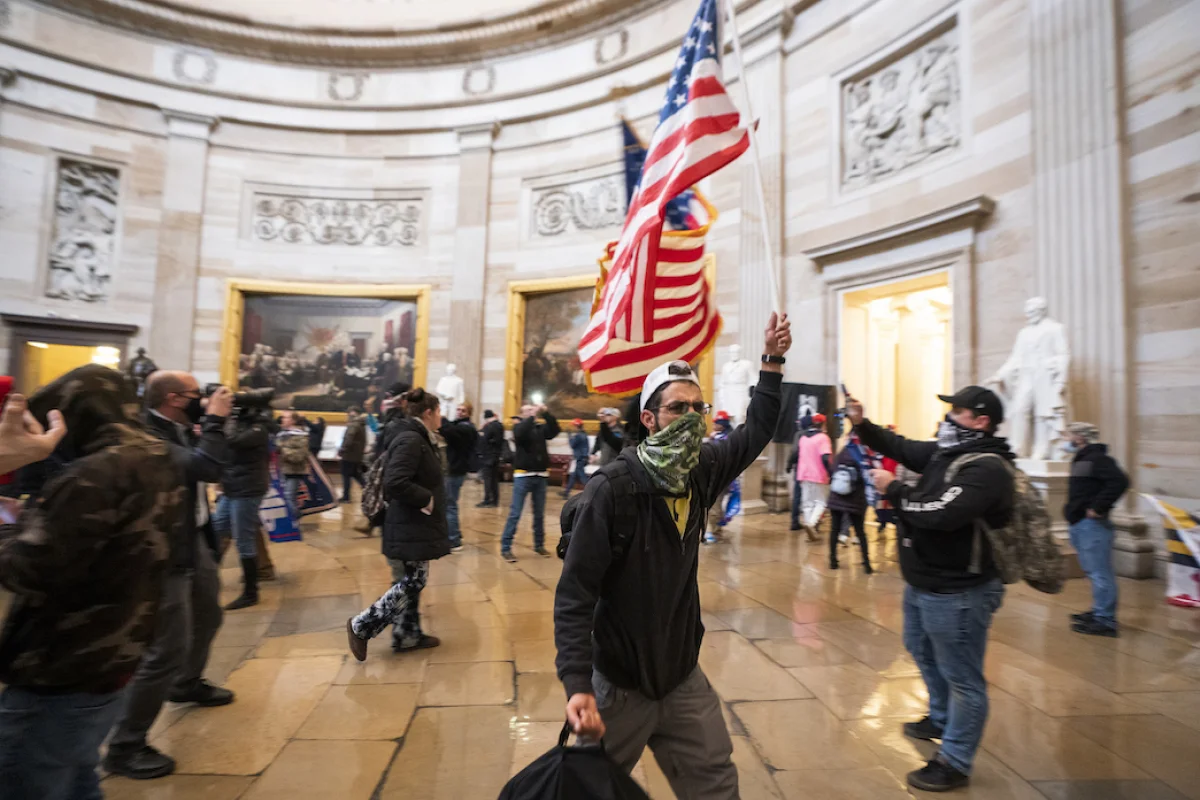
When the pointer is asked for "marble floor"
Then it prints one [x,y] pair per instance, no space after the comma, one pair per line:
[808,662]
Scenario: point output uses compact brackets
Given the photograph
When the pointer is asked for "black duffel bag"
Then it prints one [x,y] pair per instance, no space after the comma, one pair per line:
[582,772]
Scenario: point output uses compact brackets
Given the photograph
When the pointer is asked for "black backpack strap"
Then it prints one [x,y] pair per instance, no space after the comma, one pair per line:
[625,522]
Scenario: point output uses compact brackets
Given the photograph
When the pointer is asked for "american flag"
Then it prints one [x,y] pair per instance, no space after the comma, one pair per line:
[653,303]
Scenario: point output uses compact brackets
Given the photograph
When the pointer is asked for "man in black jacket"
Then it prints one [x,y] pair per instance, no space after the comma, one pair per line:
[491,445]
[244,483]
[531,468]
[953,587]
[1096,483]
[190,614]
[460,439]
[627,626]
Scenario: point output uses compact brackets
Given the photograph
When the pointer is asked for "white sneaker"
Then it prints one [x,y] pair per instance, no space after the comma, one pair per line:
[457,549]
[843,539]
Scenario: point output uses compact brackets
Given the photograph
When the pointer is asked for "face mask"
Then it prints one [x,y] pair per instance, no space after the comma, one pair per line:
[194,410]
[1070,448]
[670,455]
[951,434]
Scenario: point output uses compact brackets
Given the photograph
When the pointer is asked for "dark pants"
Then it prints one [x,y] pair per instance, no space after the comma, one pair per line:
[837,520]
[685,731]
[188,619]
[883,518]
[577,476]
[947,636]
[530,485]
[50,744]
[351,471]
[490,473]
[453,489]
[238,515]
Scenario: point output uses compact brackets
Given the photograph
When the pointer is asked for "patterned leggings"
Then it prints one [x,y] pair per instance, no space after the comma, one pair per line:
[399,605]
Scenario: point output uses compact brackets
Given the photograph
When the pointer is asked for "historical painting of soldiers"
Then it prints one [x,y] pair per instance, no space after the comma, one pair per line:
[551,372]
[326,353]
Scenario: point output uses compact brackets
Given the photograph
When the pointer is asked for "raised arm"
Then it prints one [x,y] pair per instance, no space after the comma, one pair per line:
[551,429]
[914,455]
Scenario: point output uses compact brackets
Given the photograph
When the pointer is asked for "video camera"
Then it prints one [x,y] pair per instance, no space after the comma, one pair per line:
[257,399]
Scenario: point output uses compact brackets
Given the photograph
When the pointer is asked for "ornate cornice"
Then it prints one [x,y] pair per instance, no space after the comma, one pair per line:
[543,26]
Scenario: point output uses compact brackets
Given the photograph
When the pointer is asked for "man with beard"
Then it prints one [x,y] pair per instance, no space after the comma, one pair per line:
[85,562]
[190,615]
[627,610]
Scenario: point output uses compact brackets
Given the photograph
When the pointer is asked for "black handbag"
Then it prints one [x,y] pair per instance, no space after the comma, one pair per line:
[581,772]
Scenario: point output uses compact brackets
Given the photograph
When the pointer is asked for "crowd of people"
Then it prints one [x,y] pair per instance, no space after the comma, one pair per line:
[112,556]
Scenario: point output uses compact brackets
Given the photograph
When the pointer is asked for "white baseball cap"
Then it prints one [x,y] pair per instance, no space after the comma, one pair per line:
[663,374]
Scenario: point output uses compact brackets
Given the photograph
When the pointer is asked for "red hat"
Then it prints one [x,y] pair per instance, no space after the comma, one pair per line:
[722,416]
[577,421]
[818,419]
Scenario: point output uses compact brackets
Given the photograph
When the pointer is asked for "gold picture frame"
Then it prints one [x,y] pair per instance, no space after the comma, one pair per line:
[518,294]
[236,290]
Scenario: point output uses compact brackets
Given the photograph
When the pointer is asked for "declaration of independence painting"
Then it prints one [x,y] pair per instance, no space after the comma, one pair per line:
[327,353]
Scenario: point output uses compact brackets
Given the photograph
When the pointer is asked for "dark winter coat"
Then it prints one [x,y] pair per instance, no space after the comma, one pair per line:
[1096,483]
[248,473]
[529,439]
[492,444]
[856,501]
[936,520]
[637,619]
[412,477]
[354,443]
[461,438]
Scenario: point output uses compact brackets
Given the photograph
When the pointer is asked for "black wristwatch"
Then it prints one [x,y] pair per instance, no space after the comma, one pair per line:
[773,359]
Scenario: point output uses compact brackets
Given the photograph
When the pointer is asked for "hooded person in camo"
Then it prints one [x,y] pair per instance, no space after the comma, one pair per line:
[85,562]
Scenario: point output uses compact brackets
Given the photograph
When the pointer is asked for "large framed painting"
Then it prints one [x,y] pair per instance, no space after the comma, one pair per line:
[322,347]
[546,320]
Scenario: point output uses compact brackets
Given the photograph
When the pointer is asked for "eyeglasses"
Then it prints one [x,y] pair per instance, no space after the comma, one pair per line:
[682,407]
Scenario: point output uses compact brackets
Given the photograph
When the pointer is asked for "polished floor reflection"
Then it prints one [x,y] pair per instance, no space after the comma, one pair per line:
[808,661]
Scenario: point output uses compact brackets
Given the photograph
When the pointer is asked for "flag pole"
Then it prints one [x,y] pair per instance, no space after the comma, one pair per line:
[772,264]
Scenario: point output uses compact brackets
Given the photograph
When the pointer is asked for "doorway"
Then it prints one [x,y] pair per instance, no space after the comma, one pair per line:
[44,348]
[896,350]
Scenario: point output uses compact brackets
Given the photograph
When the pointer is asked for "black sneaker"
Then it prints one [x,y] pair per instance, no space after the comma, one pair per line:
[508,556]
[795,526]
[141,765]
[937,776]
[1094,627]
[541,551]
[1085,616]
[202,693]
[425,642]
[922,729]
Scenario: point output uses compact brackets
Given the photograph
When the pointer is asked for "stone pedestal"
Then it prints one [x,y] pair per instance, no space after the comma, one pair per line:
[1134,551]
[752,488]
[777,481]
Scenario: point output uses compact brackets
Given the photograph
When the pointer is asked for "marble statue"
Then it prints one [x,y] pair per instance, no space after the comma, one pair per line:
[139,368]
[451,390]
[733,390]
[1033,381]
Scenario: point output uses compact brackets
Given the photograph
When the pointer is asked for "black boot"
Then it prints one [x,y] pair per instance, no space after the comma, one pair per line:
[250,589]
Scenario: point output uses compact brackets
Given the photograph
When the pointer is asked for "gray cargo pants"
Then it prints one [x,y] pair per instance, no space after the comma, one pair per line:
[685,731]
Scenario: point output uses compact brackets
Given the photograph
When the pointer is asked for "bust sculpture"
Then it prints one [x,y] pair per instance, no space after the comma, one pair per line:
[1033,381]
[139,368]
[451,391]
[733,390]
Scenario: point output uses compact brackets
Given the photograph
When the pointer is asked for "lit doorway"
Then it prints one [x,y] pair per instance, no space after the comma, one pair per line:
[45,361]
[895,350]
[41,349]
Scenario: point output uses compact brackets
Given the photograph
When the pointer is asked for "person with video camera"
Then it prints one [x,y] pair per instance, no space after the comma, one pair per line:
[190,614]
[244,484]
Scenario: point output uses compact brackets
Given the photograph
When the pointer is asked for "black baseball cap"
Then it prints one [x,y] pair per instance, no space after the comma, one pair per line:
[979,400]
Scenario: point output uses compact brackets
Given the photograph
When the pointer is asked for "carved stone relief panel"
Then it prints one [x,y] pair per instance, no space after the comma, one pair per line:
[83,242]
[359,222]
[584,205]
[903,110]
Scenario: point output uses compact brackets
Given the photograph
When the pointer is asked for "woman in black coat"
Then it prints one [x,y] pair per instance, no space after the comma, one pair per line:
[414,529]
[852,505]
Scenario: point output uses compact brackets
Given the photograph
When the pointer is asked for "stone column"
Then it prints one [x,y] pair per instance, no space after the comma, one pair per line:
[1081,223]
[171,327]
[470,255]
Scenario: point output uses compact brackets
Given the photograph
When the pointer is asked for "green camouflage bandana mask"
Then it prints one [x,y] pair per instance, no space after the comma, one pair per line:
[670,455]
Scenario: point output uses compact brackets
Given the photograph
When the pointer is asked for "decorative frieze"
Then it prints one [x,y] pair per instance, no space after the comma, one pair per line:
[292,219]
[902,110]
[194,66]
[581,206]
[346,87]
[83,241]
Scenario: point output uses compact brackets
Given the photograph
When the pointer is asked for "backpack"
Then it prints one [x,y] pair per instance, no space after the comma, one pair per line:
[582,772]
[844,479]
[618,474]
[372,494]
[1025,548]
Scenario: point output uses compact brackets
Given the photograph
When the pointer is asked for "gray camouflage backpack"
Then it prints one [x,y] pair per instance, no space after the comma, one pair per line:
[1025,548]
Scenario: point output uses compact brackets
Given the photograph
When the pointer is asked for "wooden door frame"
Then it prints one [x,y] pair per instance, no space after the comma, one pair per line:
[56,330]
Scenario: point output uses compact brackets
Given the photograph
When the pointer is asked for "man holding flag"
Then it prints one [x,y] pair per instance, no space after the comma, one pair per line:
[627,609]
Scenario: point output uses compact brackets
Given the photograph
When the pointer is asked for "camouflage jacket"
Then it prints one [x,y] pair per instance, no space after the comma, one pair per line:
[293,452]
[86,566]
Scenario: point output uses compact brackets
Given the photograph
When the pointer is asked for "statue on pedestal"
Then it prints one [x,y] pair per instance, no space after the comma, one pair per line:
[1033,381]
[733,389]
[139,368]
[451,391]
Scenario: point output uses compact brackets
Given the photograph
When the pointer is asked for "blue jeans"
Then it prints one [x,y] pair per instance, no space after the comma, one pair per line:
[535,485]
[577,476]
[453,487]
[947,637]
[291,491]
[1093,540]
[50,744]
[239,515]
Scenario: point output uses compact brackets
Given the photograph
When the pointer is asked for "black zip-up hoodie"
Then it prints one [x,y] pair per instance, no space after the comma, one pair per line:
[530,439]
[936,519]
[637,620]
[1096,484]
